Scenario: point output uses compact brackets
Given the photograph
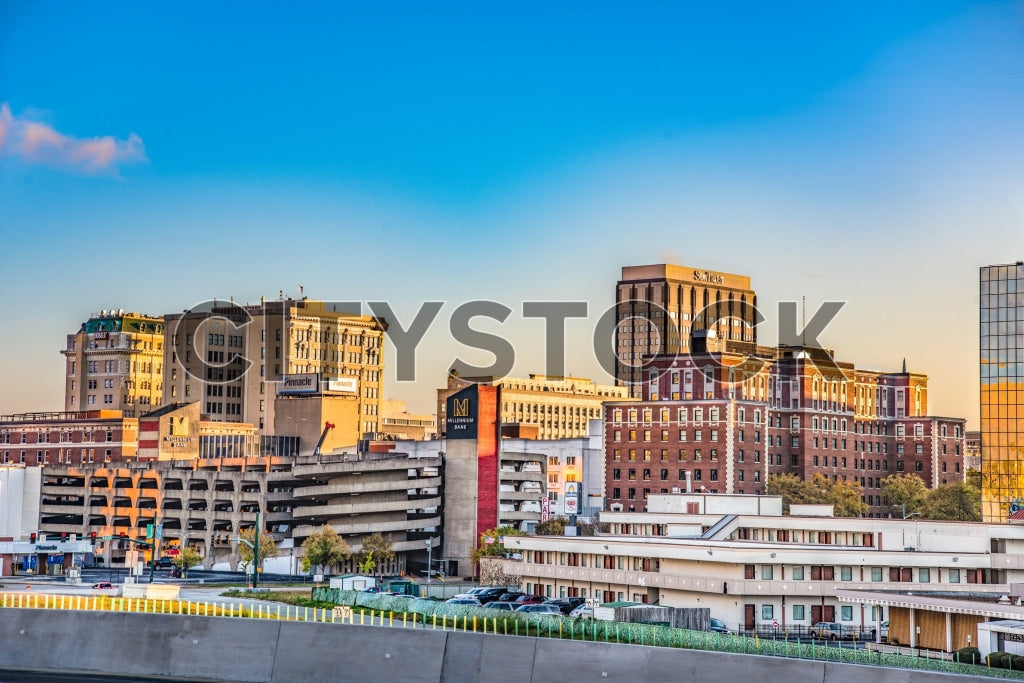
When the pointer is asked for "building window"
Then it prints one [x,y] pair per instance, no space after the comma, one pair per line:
[876,573]
[924,575]
[798,574]
[846,573]
[954,575]
[767,572]
[767,612]
[846,613]
[798,613]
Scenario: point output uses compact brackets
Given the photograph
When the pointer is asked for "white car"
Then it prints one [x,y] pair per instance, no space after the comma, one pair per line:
[469,602]
[582,612]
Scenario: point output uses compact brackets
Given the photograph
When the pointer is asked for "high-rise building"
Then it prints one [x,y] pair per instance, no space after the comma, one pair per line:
[234,359]
[1002,391]
[659,307]
[115,362]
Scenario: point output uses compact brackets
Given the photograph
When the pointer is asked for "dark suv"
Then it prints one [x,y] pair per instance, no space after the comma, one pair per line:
[490,595]
[565,605]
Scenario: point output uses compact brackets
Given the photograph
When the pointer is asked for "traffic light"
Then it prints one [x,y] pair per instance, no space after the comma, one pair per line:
[63,536]
[32,537]
[92,535]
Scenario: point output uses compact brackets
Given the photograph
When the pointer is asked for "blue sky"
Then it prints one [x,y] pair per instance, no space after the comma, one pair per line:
[864,152]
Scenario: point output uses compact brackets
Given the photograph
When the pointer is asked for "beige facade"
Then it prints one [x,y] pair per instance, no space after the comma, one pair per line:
[754,570]
[180,432]
[233,358]
[115,362]
[306,417]
[399,424]
[559,407]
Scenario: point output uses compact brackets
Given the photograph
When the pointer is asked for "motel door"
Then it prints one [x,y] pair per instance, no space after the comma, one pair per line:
[748,617]
[816,614]
[830,613]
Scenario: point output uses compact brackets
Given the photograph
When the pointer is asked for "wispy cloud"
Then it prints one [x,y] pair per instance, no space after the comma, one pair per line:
[34,142]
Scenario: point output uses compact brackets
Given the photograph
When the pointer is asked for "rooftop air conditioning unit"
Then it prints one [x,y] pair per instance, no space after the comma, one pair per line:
[675,489]
[616,507]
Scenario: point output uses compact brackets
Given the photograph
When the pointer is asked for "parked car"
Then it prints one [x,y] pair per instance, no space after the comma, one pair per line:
[582,612]
[531,600]
[504,605]
[102,585]
[469,602]
[490,595]
[831,630]
[566,605]
[885,631]
[511,596]
[718,626]
[539,609]
[371,589]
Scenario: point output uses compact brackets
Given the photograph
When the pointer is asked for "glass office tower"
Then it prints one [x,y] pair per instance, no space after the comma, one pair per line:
[1002,391]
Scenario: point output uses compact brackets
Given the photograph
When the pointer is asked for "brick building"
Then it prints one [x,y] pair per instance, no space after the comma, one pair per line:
[72,437]
[727,421]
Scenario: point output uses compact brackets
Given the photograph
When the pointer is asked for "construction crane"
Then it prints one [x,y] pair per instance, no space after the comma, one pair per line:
[327,427]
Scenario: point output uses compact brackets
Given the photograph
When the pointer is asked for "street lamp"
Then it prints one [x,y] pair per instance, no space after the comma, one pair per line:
[430,551]
[255,551]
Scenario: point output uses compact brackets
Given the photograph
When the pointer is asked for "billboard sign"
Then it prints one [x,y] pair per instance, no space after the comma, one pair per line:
[305,383]
[572,497]
[348,385]
[461,414]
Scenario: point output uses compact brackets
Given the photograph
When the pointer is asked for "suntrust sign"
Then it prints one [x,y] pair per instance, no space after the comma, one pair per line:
[708,276]
[308,383]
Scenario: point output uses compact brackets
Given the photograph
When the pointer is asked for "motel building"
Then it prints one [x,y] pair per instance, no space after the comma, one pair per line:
[757,569]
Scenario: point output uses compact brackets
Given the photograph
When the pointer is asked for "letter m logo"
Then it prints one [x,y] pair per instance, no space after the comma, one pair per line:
[461,407]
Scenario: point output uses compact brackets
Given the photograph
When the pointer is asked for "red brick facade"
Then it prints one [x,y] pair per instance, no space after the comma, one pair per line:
[68,438]
[733,421]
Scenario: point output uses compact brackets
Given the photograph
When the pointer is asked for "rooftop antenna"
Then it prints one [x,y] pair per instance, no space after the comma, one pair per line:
[803,322]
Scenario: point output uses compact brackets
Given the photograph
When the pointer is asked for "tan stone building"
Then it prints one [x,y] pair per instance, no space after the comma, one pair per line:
[235,359]
[659,307]
[399,424]
[115,362]
[558,406]
[180,432]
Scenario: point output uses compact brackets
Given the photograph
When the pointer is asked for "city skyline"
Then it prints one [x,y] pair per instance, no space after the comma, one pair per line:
[842,154]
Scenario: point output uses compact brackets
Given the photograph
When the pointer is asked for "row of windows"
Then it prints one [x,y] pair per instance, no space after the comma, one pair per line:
[65,436]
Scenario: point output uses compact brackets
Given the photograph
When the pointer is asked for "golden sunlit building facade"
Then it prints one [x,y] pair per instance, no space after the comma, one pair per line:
[1002,391]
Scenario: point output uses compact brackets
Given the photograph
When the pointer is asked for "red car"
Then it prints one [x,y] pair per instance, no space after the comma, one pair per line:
[531,600]
[102,585]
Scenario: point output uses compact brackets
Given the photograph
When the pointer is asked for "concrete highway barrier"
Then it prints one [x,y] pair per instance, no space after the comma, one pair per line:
[271,651]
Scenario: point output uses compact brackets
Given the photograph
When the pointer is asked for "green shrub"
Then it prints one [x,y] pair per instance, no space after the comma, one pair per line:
[1015,662]
[998,660]
[967,655]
